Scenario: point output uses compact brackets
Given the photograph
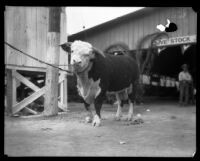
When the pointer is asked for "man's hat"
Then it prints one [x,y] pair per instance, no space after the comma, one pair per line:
[184,66]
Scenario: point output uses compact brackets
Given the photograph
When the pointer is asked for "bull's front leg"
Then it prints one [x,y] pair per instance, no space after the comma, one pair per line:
[98,104]
[119,108]
[89,116]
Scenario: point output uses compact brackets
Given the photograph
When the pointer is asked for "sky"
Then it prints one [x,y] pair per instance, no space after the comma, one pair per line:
[77,17]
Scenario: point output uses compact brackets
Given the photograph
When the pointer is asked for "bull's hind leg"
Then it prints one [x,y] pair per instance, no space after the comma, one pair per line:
[89,116]
[131,97]
[130,111]
[119,108]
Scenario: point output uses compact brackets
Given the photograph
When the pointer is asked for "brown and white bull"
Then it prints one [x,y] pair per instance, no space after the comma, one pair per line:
[99,74]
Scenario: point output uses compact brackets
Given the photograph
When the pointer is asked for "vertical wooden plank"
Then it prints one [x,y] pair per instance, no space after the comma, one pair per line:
[9,92]
[40,35]
[65,93]
[14,95]
[46,18]
[23,36]
[63,39]
[107,41]
[120,33]
[14,20]
[126,33]
[100,42]
[30,34]
[6,13]
[112,35]
[156,19]
[174,19]
[16,37]
[33,38]
[132,34]
[129,35]
[11,56]
[139,30]
[61,92]
[146,29]
[179,21]
[52,74]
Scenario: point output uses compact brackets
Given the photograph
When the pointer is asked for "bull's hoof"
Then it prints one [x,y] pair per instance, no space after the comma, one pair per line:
[96,121]
[129,118]
[117,118]
[88,119]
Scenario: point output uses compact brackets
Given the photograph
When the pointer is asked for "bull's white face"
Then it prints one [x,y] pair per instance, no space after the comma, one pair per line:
[81,53]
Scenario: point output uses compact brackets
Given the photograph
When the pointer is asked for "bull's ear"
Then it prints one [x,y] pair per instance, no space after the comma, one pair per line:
[66,46]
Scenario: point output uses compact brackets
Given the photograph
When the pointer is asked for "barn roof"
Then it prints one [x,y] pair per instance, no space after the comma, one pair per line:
[121,19]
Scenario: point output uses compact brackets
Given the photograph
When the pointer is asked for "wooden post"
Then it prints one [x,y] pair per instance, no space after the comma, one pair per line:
[10,91]
[53,52]
[65,93]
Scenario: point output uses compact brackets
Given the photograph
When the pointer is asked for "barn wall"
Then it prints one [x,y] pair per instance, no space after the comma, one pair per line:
[132,30]
[26,28]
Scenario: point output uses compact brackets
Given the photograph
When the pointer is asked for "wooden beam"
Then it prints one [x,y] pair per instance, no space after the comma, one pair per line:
[14,94]
[35,88]
[28,100]
[65,94]
[30,110]
[9,92]
[61,106]
[53,55]
[61,92]
[25,68]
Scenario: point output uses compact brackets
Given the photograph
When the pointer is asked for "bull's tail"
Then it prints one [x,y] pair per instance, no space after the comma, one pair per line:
[152,38]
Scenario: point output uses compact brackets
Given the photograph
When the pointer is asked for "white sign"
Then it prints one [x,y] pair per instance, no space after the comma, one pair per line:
[176,40]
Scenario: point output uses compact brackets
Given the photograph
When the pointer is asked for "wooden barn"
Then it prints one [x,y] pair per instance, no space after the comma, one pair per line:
[171,52]
[31,30]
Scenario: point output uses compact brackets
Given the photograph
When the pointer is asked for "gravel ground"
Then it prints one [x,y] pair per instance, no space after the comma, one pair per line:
[166,130]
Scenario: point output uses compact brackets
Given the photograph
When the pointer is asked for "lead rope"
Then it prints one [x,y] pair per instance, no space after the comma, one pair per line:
[11,46]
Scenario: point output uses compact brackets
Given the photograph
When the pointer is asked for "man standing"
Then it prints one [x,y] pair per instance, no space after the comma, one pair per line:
[184,83]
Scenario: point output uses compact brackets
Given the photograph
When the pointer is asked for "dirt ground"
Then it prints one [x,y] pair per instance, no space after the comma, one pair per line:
[168,130]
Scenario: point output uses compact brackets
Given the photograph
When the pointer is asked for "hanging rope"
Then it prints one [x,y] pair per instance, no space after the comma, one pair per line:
[11,46]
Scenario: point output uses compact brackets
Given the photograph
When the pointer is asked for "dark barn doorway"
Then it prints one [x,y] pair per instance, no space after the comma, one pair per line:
[168,64]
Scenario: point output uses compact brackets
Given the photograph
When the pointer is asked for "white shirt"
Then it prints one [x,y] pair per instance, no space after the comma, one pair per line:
[184,76]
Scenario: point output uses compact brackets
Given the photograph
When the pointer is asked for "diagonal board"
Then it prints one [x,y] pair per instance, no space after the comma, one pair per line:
[25,81]
[28,100]
[33,87]
[61,106]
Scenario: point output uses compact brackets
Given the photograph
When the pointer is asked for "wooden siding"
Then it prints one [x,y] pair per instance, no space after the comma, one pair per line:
[132,30]
[26,28]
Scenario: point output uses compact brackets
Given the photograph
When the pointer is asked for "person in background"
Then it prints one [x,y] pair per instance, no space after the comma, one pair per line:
[185,80]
